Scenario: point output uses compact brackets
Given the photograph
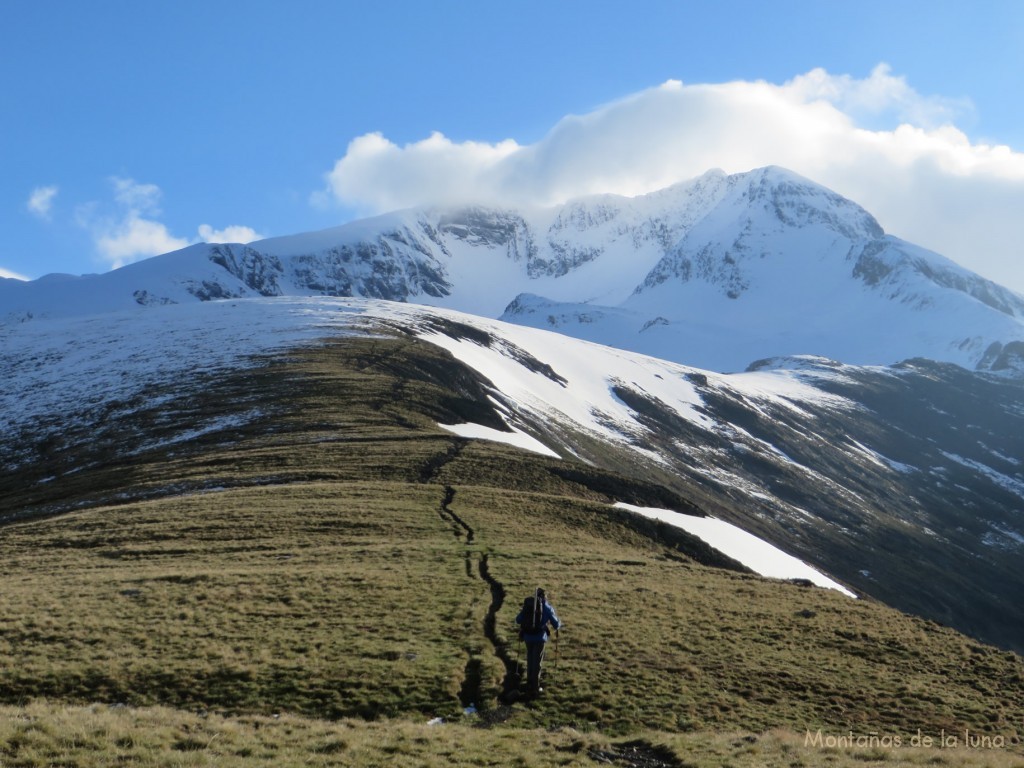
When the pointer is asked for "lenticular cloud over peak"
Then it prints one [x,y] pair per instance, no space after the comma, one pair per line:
[376,175]
[874,139]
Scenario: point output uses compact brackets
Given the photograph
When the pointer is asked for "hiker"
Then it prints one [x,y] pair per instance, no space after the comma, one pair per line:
[533,621]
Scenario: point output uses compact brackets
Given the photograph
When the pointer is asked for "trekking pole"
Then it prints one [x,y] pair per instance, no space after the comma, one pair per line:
[554,663]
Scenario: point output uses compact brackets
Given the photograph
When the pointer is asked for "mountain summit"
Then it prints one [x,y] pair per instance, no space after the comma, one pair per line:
[716,272]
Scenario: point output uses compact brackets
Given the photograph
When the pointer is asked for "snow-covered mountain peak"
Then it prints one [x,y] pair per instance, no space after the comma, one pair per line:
[769,214]
[799,202]
[716,272]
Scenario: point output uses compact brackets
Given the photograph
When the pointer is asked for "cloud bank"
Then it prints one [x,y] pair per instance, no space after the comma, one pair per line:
[875,140]
[132,231]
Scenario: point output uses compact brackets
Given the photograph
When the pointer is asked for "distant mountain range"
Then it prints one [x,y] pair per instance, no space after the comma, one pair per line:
[717,272]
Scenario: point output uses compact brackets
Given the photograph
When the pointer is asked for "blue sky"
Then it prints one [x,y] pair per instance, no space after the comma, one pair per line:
[129,128]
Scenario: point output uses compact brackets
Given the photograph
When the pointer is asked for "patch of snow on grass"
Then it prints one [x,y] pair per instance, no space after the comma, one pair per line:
[879,460]
[217,425]
[515,437]
[1012,484]
[755,553]
[1002,537]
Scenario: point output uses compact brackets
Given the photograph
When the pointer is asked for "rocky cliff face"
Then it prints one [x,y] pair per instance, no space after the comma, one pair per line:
[396,265]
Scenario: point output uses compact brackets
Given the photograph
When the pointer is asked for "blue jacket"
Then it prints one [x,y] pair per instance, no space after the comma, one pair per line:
[550,617]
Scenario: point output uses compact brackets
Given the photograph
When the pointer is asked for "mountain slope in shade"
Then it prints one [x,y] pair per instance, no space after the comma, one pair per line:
[903,483]
[717,272]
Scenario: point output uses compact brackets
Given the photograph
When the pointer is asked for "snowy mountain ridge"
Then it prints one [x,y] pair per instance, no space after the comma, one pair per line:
[716,272]
[855,471]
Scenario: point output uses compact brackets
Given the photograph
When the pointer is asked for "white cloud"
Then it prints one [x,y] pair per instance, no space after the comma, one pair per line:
[377,175]
[129,230]
[876,140]
[233,233]
[40,202]
[130,233]
[144,198]
[880,94]
[134,238]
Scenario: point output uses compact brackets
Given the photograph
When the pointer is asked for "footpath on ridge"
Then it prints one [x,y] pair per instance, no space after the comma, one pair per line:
[471,692]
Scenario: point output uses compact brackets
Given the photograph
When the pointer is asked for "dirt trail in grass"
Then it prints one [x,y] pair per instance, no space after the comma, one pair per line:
[432,468]
[510,685]
[471,691]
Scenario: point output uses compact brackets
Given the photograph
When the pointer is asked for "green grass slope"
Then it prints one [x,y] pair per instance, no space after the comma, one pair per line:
[342,568]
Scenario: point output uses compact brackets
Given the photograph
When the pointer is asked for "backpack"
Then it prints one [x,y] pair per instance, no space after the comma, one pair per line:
[533,615]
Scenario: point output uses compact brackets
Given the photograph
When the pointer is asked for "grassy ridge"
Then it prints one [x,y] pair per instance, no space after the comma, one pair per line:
[365,600]
[349,559]
[261,599]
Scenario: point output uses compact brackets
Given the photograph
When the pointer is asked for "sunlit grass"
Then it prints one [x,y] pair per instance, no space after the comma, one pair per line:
[44,734]
[322,579]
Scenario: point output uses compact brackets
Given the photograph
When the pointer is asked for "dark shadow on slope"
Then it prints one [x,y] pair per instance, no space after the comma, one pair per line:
[636,754]
[625,489]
